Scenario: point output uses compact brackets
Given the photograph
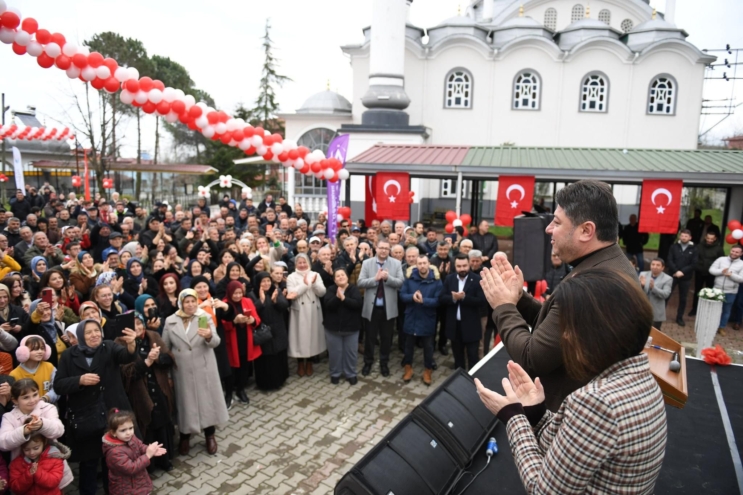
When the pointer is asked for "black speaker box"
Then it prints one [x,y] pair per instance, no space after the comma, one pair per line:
[410,460]
[532,247]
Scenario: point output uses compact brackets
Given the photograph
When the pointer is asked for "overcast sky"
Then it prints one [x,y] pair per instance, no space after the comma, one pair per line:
[219,44]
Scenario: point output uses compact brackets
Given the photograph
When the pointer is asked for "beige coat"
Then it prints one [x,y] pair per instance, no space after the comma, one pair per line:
[306,333]
[198,391]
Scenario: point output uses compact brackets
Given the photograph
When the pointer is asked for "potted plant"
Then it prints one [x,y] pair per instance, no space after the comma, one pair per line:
[708,317]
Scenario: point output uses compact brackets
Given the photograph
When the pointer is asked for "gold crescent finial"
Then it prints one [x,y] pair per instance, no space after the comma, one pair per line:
[655,12]
[521,10]
[588,11]
[328,85]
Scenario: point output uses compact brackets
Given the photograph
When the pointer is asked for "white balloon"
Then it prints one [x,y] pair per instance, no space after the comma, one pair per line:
[244,144]
[101,71]
[189,100]
[339,217]
[289,144]
[257,141]
[231,125]
[266,133]
[208,132]
[178,94]
[84,50]
[277,149]
[202,121]
[319,155]
[121,74]
[310,158]
[171,117]
[169,94]
[240,123]
[457,223]
[220,128]
[16,11]
[343,174]
[3,6]
[22,38]
[261,150]
[329,173]
[155,96]
[126,97]
[88,73]
[286,163]
[34,49]
[299,163]
[54,50]
[73,72]
[140,97]
[275,159]
[69,49]
[7,36]
[133,73]
[738,234]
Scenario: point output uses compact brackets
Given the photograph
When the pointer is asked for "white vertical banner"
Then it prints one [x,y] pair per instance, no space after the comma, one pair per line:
[20,183]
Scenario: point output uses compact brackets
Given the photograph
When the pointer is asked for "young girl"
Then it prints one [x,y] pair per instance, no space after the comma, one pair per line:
[41,468]
[15,430]
[127,457]
[33,353]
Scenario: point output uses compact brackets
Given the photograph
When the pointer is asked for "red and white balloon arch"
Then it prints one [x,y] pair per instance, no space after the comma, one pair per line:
[12,131]
[54,50]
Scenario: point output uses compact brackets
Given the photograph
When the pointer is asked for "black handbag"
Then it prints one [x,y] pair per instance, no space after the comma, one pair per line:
[262,334]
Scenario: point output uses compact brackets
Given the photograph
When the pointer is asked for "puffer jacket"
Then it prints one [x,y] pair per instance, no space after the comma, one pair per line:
[49,474]
[727,283]
[127,466]
[420,319]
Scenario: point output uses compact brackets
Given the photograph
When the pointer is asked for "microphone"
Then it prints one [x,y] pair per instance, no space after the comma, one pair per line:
[675,365]
[492,448]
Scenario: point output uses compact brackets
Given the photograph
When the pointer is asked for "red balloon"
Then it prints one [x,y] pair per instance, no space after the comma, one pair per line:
[195,112]
[149,107]
[98,83]
[111,64]
[184,118]
[95,60]
[157,84]
[293,154]
[268,155]
[465,218]
[80,60]
[146,84]
[315,167]
[268,140]
[345,212]
[334,178]
[163,108]
[9,19]
[178,107]
[29,25]
[64,62]
[302,150]
[223,117]
[250,151]
[450,216]
[131,85]
[283,156]
[43,36]
[730,239]
[449,228]
[249,131]
[259,131]
[135,104]
[238,135]
[45,60]
[226,138]
[111,84]
[734,224]
[337,164]
[304,169]
[215,136]
[59,39]
[212,117]
[19,49]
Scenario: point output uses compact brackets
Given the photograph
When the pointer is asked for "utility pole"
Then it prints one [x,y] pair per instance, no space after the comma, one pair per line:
[4,109]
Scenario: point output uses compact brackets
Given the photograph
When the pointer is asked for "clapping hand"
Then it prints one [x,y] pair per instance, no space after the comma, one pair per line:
[493,400]
[642,280]
[290,296]
[529,393]
[155,450]
[502,284]
[418,297]
[275,295]
[89,379]
[154,354]
[340,294]
[34,425]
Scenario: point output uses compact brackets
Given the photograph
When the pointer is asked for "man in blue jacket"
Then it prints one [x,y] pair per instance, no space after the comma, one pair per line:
[420,293]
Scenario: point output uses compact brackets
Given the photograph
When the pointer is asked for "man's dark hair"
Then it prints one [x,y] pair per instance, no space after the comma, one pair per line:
[461,256]
[431,229]
[685,231]
[737,246]
[624,331]
[661,260]
[416,224]
[442,244]
[591,201]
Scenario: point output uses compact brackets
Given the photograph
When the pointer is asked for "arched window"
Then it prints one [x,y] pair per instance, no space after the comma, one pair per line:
[594,93]
[458,89]
[605,17]
[550,19]
[526,90]
[627,25]
[314,139]
[578,13]
[662,95]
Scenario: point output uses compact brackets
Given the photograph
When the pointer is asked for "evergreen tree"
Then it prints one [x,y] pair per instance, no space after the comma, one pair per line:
[264,111]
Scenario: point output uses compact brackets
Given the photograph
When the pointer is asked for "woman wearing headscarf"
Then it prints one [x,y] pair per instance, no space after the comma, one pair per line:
[146,306]
[38,268]
[306,335]
[44,324]
[13,319]
[210,305]
[147,385]
[194,269]
[167,298]
[90,375]
[84,275]
[191,337]
[136,282]
[239,319]
[271,368]
[136,250]
[234,272]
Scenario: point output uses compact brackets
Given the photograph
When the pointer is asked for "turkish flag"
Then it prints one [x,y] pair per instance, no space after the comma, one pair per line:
[370,207]
[660,206]
[515,194]
[392,195]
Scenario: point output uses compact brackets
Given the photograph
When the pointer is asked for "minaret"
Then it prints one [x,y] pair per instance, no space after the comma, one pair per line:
[386,98]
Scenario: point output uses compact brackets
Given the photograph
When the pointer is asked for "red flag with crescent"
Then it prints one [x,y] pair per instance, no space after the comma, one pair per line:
[660,206]
[515,195]
[392,195]
[370,207]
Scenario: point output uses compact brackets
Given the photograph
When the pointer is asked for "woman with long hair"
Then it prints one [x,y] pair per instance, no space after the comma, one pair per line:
[14,283]
[55,279]
[195,269]
[609,435]
[306,335]
[191,337]
[272,367]
[167,299]
[84,275]
[225,258]
[234,273]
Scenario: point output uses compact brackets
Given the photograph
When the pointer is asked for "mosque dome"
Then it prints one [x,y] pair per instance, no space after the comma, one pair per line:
[456,26]
[582,30]
[327,102]
[651,31]
[518,27]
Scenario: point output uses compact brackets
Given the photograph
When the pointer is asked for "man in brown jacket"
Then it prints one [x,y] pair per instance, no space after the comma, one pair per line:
[584,235]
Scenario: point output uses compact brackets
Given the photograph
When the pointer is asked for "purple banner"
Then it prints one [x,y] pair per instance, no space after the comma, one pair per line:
[337,149]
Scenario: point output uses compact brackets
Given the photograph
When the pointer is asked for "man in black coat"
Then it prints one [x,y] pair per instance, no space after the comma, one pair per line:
[267,203]
[462,299]
[682,259]
[445,265]
[21,206]
[634,241]
[695,226]
[484,240]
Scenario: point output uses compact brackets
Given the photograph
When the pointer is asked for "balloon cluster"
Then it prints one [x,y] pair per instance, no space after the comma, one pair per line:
[76,180]
[344,213]
[454,220]
[152,96]
[108,183]
[12,131]
[3,178]
[736,233]
[225,181]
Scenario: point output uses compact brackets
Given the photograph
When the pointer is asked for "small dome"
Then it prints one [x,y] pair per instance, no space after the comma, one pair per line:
[582,30]
[521,22]
[326,102]
[651,31]
[518,27]
[459,20]
[456,26]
